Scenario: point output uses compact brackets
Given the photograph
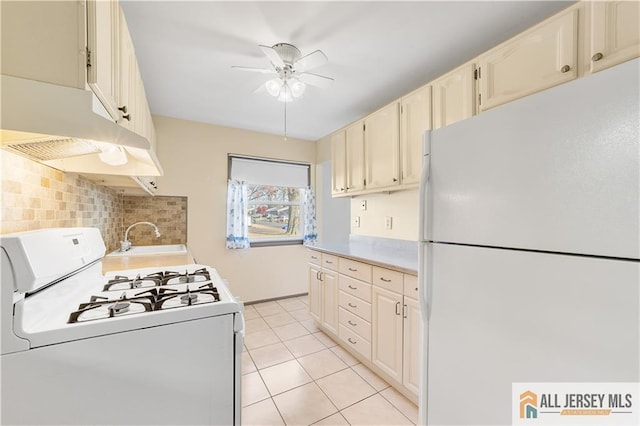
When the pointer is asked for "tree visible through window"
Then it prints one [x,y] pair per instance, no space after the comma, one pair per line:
[274,212]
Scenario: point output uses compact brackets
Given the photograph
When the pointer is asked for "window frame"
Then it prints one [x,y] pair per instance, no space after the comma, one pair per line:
[276,241]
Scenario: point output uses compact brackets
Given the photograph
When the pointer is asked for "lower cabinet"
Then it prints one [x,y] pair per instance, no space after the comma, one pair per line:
[329,306]
[314,291]
[387,332]
[371,311]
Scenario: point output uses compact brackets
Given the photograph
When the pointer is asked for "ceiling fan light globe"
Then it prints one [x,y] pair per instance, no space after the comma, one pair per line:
[297,88]
[285,94]
[274,87]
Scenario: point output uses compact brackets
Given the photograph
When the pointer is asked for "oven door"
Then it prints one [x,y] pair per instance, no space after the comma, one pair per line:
[180,373]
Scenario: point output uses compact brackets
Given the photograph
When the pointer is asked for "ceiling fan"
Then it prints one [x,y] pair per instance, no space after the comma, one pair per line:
[292,70]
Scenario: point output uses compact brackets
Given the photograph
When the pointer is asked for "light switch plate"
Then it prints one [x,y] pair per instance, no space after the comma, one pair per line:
[363,205]
[388,222]
[356,222]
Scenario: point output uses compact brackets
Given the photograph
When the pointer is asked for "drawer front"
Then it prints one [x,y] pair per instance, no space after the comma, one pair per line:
[330,261]
[356,288]
[354,305]
[358,270]
[411,286]
[315,257]
[354,323]
[388,279]
[353,340]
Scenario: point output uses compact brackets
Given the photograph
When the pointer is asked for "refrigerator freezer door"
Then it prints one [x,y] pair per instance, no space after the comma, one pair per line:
[555,171]
[502,316]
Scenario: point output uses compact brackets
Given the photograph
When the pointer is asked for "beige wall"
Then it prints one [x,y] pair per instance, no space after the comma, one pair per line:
[401,206]
[194,158]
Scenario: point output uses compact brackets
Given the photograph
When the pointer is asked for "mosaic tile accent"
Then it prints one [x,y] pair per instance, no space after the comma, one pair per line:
[168,213]
[35,196]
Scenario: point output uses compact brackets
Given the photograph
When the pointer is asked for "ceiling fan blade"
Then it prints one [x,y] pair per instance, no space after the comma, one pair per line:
[316,80]
[310,61]
[260,70]
[272,55]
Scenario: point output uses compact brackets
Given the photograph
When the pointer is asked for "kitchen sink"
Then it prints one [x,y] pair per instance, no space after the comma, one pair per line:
[151,250]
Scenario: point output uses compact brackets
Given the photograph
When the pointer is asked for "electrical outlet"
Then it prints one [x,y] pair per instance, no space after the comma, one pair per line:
[363,205]
[356,222]
[388,222]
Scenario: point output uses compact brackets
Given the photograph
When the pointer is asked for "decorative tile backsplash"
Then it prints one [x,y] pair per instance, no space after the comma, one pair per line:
[35,196]
[168,213]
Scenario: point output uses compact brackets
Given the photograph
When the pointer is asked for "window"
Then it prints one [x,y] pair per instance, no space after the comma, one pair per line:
[274,198]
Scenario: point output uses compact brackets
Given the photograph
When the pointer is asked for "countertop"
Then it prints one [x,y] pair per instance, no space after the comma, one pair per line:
[118,263]
[393,254]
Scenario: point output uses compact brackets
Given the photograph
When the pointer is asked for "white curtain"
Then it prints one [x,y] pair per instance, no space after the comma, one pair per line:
[309,221]
[237,207]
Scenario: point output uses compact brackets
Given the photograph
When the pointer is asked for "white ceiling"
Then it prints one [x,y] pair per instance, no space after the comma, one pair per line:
[377,52]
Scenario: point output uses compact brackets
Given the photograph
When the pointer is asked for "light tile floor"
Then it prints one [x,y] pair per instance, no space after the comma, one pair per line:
[294,374]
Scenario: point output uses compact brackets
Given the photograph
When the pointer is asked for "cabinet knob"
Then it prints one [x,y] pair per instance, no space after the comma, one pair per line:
[123,108]
[127,117]
[341,189]
[565,69]
[597,57]
[395,179]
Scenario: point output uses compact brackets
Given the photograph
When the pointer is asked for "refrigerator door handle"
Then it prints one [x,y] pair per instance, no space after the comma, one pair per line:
[424,186]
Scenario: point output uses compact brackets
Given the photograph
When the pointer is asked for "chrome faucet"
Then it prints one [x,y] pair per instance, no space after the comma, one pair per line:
[126,244]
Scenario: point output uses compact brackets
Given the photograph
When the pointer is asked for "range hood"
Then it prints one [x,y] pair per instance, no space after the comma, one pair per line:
[68,129]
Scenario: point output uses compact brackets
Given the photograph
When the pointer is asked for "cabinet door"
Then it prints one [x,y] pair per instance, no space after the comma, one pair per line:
[386,351]
[102,40]
[543,57]
[382,147]
[354,136]
[128,71]
[615,33]
[330,300]
[314,292]
[338,163]
[415,119]
[454,96]
[411,345]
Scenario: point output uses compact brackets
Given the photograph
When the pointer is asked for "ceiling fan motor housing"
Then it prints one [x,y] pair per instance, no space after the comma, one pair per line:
[288,52]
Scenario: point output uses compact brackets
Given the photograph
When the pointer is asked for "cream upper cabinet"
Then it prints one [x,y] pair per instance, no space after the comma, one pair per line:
[128,76]
[338,163]
[454,96]
[354,141]
[415,119]
[382,147]
[102,55]
[614,33]
[542,57]
[386,340]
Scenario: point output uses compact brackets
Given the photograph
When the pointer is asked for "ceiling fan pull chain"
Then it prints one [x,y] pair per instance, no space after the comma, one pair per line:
[285,119]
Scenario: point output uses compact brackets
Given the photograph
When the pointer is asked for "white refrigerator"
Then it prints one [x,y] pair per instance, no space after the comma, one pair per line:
[530,248]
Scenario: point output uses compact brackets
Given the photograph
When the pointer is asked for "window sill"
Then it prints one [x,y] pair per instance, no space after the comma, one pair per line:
[270,243]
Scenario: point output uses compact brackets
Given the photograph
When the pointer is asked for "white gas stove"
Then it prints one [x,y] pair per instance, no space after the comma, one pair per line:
[75,341]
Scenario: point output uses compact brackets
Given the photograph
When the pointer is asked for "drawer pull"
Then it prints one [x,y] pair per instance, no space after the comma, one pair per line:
[385,280]
[397,308]
[352,305]
[314,258]
[353,342]
[352,287]
[328,261]
[352,323]
[353,270]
